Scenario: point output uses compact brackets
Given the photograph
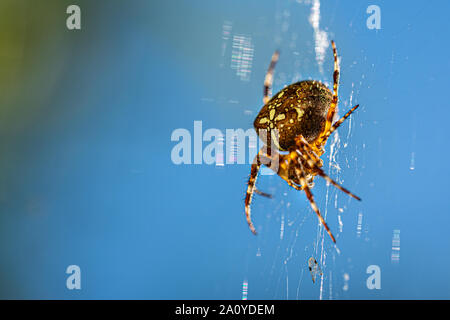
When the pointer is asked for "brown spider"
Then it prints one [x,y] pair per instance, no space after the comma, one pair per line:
[298,119]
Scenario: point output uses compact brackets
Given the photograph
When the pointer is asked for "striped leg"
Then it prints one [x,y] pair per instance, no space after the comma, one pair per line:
[301,175]
[334,100]
[250,188]
[305,153]
[269,77]
[261,193]
[338,123]
[251,185]
[296,187]
[283,171]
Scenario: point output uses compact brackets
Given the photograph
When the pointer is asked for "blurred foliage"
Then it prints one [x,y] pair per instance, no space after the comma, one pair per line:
[32,55]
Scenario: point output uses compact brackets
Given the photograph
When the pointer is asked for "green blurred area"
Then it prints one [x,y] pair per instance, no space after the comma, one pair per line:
[28,40]
[32,56]
[34,50]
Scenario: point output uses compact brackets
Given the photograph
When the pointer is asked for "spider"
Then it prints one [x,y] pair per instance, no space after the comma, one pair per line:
[297,121]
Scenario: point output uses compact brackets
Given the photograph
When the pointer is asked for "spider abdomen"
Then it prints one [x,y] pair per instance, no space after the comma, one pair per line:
[300,108]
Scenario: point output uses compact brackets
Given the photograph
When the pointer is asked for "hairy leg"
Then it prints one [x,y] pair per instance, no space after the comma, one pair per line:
[269,77]
[301,175]
[306,154]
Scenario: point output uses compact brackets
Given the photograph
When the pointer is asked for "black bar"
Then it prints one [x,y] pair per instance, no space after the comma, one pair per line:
[223,309]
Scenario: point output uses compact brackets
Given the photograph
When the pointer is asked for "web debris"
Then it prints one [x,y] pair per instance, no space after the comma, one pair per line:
[314,269]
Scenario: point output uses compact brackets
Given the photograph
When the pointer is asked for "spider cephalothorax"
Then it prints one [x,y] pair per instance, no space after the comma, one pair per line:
[298,119]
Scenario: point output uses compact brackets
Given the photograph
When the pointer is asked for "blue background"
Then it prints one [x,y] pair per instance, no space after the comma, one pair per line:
[86,176]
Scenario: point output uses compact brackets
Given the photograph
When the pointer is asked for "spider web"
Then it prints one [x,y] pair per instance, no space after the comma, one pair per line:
[290,233]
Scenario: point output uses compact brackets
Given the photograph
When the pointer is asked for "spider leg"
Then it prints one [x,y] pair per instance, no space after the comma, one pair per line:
[338,123]
[261,193]
[334,100]
[266,159]
[269,77]
[283,171]
[251,188]
[296,187]
[301,175]
[305,154]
